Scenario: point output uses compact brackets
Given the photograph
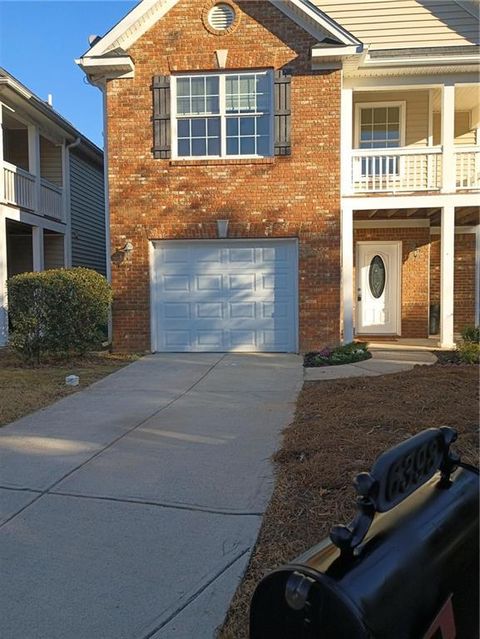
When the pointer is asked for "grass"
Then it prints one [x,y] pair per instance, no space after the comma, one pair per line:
[24,388]
[340,428]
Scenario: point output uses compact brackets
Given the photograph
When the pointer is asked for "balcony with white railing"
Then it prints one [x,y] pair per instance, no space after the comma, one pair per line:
[396,170]
[467,167]
[23,189]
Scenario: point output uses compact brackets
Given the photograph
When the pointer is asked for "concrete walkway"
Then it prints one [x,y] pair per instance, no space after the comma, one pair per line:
[384,361]
[129,510]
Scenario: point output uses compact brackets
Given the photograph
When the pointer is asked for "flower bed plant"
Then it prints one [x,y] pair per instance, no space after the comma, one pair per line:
[468,349]
[333,356]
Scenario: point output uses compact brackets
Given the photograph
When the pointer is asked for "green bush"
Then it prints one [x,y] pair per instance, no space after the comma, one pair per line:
[57,311]
[469,352]
[471,334]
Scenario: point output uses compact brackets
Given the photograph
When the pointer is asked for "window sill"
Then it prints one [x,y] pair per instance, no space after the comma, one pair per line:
[222,161]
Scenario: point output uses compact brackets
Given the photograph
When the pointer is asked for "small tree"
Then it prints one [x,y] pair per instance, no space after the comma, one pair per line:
[60,310]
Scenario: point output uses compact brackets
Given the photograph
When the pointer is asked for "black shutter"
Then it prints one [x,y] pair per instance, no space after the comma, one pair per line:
[161,117]
[283,114]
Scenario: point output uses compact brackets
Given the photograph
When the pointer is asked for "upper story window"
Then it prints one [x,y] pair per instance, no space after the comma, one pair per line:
[222,115]
[380,126]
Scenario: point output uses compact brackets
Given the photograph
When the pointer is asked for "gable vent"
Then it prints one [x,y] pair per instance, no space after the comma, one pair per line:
[221,17]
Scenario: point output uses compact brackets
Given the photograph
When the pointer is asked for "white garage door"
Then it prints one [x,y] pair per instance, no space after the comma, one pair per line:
[224,295]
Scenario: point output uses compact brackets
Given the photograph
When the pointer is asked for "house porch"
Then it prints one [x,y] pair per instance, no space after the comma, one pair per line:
[429,262]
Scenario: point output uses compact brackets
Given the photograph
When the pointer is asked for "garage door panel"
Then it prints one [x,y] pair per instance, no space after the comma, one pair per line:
[225,296]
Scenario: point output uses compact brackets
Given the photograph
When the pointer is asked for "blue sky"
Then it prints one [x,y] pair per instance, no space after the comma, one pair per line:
[39,40]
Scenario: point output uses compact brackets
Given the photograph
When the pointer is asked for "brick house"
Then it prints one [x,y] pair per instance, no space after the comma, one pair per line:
[284,175]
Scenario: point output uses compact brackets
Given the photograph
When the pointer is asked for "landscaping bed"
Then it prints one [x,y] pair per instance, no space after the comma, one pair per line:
[25,388]
[335,356]
[340,427]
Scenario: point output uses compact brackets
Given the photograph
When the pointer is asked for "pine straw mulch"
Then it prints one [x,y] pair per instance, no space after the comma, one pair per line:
[340,427]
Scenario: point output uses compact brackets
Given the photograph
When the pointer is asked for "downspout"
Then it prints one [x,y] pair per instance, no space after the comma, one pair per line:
[68,148]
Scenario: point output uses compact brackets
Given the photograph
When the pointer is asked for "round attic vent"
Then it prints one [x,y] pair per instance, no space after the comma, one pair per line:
[221,17]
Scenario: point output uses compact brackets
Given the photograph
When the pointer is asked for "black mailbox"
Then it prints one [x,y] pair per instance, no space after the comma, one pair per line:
[405,568]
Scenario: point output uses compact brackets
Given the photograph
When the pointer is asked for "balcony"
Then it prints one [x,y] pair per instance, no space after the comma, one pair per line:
[411,169]
[408,140]
[20,188]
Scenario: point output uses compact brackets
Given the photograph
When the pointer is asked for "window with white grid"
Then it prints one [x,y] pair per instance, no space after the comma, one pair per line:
[222,115]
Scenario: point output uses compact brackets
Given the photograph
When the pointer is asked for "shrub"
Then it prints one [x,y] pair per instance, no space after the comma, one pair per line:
[60,310]
[471,334]
[469,352]
[344,354]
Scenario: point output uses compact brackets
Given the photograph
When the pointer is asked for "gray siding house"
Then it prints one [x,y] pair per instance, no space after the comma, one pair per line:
[52,196]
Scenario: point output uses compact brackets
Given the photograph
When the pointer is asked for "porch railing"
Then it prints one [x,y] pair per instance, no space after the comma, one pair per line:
[22,189]
[396,170]
[468,167]
[51,200]
[19,186]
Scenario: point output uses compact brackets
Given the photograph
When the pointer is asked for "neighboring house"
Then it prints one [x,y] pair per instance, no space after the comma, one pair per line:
[341,144]
[52,204]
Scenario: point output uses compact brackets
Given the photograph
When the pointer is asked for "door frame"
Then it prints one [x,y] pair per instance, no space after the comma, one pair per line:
[398,296]
[155,244]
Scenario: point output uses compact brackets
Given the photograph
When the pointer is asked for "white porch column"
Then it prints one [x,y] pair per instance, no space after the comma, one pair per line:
[346,140]
[2,179]
[447,254]
[34,160]
[448,139]
[347,272]
[477,276]
[3,279]
[38,248]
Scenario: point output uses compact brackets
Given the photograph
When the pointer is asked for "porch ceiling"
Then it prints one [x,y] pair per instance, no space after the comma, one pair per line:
[464,215]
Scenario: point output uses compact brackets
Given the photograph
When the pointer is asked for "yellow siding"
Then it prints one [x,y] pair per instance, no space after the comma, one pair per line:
[464,133]
[416,119]
[389,24]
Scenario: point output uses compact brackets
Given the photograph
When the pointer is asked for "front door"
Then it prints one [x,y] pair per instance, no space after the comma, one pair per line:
[378,288]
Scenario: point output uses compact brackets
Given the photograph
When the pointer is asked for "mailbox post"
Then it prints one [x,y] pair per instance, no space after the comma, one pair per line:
[406,567]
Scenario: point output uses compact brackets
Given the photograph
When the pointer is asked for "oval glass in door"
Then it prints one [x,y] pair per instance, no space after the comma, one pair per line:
[377,276]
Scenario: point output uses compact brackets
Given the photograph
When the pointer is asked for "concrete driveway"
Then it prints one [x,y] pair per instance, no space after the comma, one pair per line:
[129,510]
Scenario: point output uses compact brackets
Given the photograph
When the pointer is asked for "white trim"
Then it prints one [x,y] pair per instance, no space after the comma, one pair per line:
[137,21]
[447,140]
[389,224]
[142,17]
[153,294]
[346,240]
[362,203]
[430,118]
[316,15]
[398,296]
[38,249]
[447,277]
[477,276]
[404,82]
[421,60]
[346,138]
[459,230]
[317,53]
[380,105]
[222,115]
[19,215]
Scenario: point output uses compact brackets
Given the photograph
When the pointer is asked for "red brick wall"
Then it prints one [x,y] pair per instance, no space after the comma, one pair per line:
[296,196]
[415,272]
[464,278]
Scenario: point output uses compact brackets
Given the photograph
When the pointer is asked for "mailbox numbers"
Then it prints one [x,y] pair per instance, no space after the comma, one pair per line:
[412,470]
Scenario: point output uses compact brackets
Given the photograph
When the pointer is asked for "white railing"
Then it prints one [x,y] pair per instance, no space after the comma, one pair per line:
[21,189]
[468,167]
[396,170]
[19,186]
[51,200]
